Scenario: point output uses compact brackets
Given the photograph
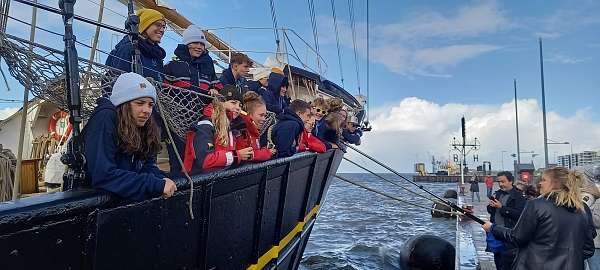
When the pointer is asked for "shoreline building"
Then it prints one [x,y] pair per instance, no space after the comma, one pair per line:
[579,159]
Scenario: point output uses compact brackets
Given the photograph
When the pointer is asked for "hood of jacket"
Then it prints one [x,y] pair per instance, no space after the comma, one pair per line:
[289,115]
[276,81]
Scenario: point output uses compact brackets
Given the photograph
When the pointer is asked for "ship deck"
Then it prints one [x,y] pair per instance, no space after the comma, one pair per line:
[470,237]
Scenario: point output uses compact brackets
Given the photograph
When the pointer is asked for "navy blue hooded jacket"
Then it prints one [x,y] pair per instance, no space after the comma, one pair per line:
[119,173]
[228,79]
[275,102]
[151,55]
[256,87]
[287,132]
[352,137]
[196,74]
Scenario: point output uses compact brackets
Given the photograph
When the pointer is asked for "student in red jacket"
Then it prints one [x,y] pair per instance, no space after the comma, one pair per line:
[309,142]
[210,144]
[249,136]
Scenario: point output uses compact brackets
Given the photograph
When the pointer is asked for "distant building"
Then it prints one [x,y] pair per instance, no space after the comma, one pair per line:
[579,159]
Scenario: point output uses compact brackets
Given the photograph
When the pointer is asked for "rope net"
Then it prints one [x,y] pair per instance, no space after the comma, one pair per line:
[41,68]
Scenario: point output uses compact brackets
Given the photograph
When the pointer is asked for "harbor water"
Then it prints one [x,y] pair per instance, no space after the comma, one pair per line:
[358,229]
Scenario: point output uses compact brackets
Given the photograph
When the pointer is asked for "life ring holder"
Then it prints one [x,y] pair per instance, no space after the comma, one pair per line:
[53,127]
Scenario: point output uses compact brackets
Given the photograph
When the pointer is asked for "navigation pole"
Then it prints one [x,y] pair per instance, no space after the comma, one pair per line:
[464,149]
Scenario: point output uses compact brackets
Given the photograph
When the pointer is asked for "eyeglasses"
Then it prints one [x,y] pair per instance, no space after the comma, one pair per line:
[160,25]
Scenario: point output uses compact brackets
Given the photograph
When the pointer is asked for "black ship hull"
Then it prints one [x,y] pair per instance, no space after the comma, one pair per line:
[258,216]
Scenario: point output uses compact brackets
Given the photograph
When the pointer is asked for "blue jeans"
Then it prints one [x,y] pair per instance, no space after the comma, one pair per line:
[473,196]
[594,261]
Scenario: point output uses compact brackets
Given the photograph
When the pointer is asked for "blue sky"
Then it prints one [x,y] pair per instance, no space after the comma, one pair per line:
[441,52]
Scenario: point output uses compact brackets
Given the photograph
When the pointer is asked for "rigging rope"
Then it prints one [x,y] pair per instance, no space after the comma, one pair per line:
[394,197]
[162,115]
[394,183]
[353,27]
[337,41]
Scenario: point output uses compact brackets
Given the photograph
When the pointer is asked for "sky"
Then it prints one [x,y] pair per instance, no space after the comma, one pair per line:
[430,63]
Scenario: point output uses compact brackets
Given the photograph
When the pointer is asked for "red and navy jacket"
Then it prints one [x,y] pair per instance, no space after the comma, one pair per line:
[249,136]
[196,74]
[203,153]
[309,142]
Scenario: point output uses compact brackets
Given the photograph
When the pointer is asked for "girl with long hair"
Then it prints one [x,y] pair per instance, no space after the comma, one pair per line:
[249,134]
[122,140]
[210,144]
[554,229]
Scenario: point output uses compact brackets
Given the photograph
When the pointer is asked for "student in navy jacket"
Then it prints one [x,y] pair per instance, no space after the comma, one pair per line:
[192,68]
[121,142]
[319,108]
[152,28]
[287,131]
[239,66]
[275,94]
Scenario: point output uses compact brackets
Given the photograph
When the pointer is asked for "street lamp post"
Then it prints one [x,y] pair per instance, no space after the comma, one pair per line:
[570,155]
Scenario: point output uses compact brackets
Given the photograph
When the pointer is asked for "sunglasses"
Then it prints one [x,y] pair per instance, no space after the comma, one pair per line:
[319,110]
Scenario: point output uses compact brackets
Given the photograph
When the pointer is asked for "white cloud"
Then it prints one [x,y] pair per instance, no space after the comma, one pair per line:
[564,59]
[415,127]
[6,112]
[428,43]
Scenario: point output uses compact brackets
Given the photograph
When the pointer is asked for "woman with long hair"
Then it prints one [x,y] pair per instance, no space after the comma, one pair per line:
[332,131]
[554,230]
[122,140]
[210,144]
[249,134]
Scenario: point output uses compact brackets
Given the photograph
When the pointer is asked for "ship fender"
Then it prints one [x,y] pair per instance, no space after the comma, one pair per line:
[427,252]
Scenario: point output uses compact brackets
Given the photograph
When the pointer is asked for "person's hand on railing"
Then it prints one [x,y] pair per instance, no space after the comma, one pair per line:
[169,188]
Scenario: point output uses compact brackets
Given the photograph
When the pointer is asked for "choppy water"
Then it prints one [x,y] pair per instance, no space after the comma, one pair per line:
[358,229]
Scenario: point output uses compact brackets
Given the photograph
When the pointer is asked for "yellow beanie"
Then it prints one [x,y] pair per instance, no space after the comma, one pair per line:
[148,17]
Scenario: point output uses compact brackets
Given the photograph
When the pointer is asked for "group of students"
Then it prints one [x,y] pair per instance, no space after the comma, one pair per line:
[122,136]
[551,227]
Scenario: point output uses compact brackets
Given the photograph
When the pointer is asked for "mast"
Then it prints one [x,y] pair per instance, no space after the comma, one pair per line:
[25,110]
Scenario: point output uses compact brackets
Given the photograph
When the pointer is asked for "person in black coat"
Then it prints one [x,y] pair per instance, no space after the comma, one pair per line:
[554,230]
[474,188]
[505,208]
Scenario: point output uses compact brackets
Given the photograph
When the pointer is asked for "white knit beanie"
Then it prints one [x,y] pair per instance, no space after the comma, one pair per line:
[130,86]
[261,73]
[194,34]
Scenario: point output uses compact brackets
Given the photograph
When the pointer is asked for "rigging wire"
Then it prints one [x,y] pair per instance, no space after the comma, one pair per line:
[275,26]
[395,183]
[394,197]
[368,64]
[313,21]
[337,41]
[353,27]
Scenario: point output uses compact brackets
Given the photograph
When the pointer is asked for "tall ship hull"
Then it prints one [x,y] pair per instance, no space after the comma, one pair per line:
[257,216]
